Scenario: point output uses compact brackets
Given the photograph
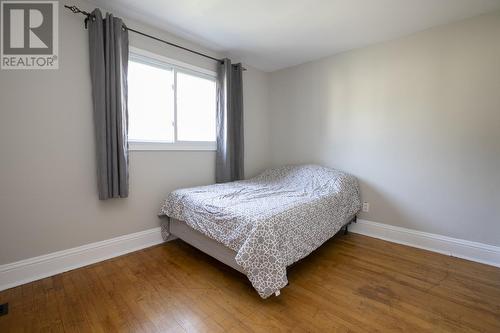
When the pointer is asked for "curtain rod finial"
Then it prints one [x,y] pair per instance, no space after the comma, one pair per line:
[77,10]
[74,9]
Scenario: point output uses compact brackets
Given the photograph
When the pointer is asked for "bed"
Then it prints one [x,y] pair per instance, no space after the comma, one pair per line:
[262,225]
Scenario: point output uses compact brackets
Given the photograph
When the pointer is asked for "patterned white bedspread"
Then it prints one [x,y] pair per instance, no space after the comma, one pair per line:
[272,220]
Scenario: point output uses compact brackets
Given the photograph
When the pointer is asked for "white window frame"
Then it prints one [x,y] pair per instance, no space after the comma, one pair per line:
[156,60]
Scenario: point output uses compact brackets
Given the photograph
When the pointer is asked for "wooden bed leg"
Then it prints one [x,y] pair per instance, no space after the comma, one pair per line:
[346,231]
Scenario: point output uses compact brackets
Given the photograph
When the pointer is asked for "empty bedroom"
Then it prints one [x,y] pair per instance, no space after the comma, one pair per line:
[250,166]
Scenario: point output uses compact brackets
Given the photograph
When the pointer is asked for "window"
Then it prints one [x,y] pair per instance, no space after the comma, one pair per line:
[171,105]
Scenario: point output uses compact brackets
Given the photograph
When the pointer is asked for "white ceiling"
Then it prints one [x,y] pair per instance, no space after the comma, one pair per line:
[275,34]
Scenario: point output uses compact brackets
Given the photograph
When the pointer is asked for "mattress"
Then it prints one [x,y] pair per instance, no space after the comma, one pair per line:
[272,220]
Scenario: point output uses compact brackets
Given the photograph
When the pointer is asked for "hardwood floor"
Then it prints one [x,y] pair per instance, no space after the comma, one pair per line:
[352,283]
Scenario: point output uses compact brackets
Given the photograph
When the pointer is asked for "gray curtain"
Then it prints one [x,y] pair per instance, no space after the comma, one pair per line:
[229,155]
[108,41]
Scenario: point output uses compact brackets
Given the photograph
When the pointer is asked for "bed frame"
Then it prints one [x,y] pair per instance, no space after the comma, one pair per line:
[213,248]
[204,243]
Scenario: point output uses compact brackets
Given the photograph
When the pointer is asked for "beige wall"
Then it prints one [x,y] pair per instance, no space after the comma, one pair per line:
[48,198]
[416,119]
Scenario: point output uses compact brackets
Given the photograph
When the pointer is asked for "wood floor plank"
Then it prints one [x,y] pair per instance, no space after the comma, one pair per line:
[352,283]
[455,287]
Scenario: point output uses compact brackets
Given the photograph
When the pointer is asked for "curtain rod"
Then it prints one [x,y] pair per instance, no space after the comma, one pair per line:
[88,15]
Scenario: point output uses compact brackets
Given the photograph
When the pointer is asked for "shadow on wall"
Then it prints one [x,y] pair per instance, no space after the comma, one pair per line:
[381,204]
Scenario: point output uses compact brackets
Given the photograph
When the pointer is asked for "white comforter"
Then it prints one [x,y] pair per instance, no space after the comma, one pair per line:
[272,220]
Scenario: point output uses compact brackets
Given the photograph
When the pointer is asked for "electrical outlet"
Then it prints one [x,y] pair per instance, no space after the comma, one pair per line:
[366,207]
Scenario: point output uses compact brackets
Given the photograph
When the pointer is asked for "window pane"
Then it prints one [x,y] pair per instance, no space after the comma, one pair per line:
[195,108]
[150,103]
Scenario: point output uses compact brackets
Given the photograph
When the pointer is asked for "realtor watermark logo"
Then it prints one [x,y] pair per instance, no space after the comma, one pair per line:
[29,34]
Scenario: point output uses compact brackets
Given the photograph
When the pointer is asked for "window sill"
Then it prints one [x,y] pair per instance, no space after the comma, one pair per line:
[178,146]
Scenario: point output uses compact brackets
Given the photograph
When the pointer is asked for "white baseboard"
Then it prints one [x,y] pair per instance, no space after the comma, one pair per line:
[483,253]
[28,270]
